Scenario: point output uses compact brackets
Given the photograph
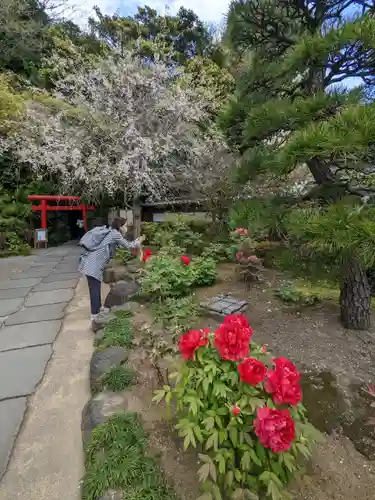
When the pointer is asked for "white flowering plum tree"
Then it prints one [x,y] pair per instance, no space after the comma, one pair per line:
[125,126]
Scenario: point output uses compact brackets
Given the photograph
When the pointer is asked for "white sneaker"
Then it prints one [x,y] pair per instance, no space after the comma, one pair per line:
[94,316]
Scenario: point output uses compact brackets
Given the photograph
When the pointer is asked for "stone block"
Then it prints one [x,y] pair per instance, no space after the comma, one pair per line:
[11,416]
[58,285]
[10,306]
[36,314]
[19,283]
[14,293]
[101,321]
[102,361]
[121,292]
[28,335]
[99,409]
[22,370]
[56,277]
[49,297]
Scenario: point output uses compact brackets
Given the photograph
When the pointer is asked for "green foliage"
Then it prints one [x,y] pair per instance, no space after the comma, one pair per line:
[118,378]
[14,245]
[234,463]
[165,275]
[290,294]
[220,252]
[188,235]
[177,313]
[204,271]
[116,459]
[11,104]
[124,256]
[180,37]
[118,332]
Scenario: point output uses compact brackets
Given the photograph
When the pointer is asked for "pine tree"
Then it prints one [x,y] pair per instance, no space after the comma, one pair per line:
[291,108]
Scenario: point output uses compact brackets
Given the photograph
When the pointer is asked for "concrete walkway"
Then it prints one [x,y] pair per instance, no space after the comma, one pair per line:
[34,294]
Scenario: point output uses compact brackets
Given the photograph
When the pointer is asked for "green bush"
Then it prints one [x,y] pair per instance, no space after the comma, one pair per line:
[221,252]
[290,294]
[119,331]
[118,378]
[177,313]
[116,459]
[246,418]
[165,275]
[204,270]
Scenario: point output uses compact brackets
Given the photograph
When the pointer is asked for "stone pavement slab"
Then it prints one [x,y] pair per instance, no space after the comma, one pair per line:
[35,314]
[224,305]
[14,293]
[28,335]
[10,306]
[22,370]
[35,272]
[19,283]
[58,285]
[48,297]
[11,415]
[61,277]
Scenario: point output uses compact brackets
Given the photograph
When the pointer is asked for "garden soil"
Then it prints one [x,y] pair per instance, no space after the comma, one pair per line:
[314,340]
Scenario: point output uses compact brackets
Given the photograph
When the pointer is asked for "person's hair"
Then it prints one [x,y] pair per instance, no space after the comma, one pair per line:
[118,222]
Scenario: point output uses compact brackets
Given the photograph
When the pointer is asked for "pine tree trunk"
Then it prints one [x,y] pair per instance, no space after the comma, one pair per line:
[355,297]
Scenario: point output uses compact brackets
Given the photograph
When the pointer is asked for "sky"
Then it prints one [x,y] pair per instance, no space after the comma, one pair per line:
[211,11]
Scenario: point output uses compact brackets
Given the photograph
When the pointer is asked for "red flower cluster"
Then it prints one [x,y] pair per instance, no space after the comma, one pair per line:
[252,371]
[232,337]
[242,231]
[283,382]
[146,255]
[185,260]
[191,341]
[274,428]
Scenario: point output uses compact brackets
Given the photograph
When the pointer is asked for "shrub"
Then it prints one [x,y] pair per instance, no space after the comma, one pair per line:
[119,331]
[118,378]
[116,459]
[289,293]
[221,252]
[177,313]
[246,415]
[168,275]
[204,270]
[124,256]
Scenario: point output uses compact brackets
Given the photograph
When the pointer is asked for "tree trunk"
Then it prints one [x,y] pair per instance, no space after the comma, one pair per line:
[355,297]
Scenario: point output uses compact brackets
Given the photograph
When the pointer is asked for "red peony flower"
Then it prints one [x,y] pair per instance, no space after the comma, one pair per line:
[274,428]
[232,337]
[236,410]
[191,341]
[185,260]
[283,382]
[146,255]
[242,231]
[252,371]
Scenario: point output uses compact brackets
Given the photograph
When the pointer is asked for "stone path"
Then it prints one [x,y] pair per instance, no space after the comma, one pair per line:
[34,292]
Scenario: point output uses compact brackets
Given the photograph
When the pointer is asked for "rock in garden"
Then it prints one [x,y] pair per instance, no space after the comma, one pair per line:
[132,307]
[99,409]
[109,275]
[121,292]
[101,321]
[102,361]
[112,495]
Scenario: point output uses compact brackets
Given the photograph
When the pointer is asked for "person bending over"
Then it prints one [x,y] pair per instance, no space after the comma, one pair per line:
[99,247]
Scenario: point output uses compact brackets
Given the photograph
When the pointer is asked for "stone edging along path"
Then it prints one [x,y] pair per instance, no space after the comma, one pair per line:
[34,292]
[115,443]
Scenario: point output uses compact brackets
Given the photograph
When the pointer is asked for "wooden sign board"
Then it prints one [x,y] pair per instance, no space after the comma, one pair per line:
[40,238]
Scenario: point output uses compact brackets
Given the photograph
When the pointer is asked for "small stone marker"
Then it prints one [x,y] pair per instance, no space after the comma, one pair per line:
[223,305]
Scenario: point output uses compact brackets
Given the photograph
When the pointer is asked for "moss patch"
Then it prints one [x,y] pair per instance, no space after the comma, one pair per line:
[118,332]
[118,378]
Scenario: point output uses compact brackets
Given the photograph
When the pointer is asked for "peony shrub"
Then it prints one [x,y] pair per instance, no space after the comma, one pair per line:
[170,274]
[243,409]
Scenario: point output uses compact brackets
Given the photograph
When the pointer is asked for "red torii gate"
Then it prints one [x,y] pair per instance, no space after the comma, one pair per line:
[44,207]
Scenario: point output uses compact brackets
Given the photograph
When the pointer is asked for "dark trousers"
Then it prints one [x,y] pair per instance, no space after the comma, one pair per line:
[95,294]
